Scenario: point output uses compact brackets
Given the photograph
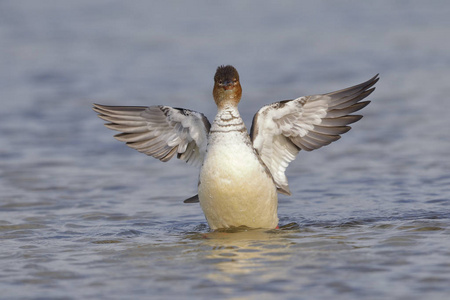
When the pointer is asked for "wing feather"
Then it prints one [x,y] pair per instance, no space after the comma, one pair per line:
[159,131]
[335,113]
[280,130]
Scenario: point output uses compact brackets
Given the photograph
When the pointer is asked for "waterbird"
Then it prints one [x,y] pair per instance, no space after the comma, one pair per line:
[241,173]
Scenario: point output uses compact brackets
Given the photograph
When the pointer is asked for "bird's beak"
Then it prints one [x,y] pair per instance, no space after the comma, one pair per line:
[228,85]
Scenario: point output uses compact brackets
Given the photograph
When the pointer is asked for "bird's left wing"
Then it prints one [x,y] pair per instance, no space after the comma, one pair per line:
[159,131]
[280,130]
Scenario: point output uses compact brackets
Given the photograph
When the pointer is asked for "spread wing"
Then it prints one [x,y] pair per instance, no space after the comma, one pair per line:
[280,130]
[159,131]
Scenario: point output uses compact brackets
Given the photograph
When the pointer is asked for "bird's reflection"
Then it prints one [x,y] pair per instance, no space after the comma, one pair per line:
[245,251]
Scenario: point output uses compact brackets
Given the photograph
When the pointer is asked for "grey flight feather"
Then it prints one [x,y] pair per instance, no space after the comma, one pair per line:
[159,131]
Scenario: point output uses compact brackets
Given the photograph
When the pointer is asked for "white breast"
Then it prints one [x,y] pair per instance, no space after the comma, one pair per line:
[235,188]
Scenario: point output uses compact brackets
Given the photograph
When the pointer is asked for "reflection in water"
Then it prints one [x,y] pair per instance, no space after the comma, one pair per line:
[254,257]
[245,252]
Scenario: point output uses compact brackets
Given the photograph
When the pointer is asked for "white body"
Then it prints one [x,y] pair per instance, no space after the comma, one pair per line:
[235,188]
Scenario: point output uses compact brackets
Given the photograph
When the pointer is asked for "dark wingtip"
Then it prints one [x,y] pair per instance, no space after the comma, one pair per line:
[193,199]
[284,190]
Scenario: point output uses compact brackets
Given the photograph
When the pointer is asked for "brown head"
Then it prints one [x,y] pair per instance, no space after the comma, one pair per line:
[227,88]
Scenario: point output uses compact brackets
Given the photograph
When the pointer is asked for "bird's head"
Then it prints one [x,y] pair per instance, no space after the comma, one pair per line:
[227,88]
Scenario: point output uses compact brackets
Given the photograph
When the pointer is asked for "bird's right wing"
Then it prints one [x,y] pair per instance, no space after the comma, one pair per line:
[159,131]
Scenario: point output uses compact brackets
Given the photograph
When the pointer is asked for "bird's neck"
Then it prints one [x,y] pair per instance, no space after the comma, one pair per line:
[228,119]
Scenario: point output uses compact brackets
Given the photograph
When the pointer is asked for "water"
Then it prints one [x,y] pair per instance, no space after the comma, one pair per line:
[82,216]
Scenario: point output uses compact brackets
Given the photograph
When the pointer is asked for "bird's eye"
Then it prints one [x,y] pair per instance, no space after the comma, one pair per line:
[220,81]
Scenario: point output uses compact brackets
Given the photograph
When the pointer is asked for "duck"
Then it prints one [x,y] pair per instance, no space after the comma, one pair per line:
[241,172]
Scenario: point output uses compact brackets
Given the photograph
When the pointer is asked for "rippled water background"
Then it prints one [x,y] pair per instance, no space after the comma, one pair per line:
[83,216]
